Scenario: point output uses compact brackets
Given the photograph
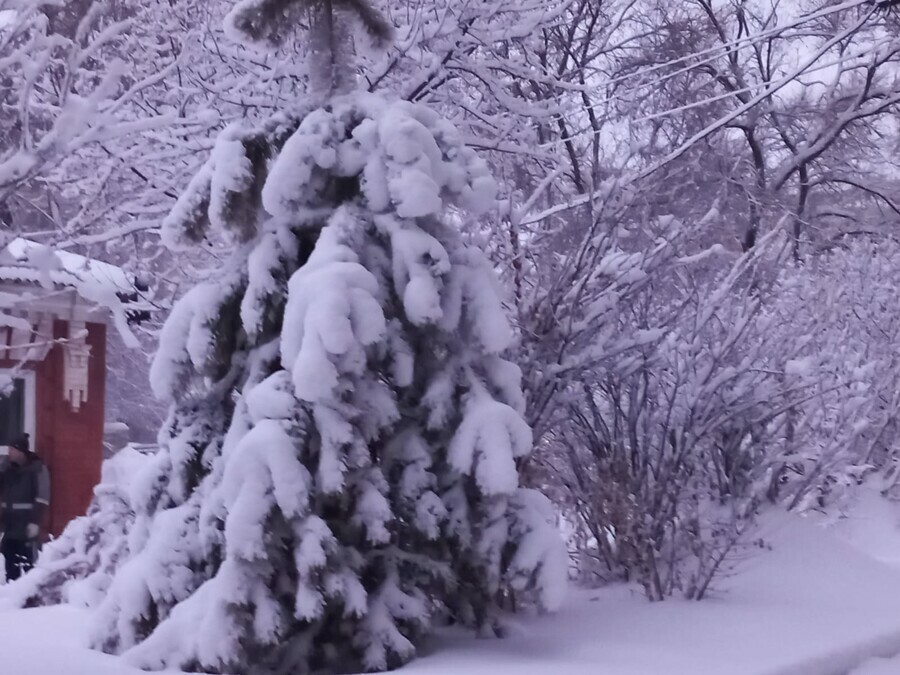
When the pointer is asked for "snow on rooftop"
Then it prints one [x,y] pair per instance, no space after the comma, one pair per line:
[100,284]
[26,261]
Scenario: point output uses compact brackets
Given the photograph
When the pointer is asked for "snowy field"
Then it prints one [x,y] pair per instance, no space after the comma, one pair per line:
[820,602]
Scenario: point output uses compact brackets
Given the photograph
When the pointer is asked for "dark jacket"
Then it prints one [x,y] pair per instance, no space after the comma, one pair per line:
[24,496]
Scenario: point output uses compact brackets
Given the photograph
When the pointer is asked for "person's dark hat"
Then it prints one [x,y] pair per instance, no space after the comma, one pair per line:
[21,443]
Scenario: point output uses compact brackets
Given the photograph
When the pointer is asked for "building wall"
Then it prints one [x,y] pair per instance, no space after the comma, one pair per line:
[70,442]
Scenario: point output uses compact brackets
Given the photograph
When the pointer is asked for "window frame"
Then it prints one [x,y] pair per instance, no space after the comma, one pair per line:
[29,379]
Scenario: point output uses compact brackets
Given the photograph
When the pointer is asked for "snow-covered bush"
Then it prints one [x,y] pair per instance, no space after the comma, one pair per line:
[673,422]
[840,308]
[706,401]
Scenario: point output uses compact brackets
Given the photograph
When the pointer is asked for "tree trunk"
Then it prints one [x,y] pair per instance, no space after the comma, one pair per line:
[330,51]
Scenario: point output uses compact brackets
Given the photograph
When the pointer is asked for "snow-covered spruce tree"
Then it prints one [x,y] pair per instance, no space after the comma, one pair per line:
[338,472]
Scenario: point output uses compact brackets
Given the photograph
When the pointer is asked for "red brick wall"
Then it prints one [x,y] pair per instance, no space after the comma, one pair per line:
[70,442]
[74,449]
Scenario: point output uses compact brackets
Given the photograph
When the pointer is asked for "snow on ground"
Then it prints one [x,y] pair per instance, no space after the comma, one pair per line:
[871,524]
[812,606]
[50,641]
[879,667]
[819,603]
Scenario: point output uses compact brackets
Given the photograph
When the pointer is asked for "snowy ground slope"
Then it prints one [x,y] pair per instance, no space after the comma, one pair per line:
[50,641]
[871,524]
[814,605]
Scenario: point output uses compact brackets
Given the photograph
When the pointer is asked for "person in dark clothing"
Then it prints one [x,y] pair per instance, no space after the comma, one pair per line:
[24,498]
